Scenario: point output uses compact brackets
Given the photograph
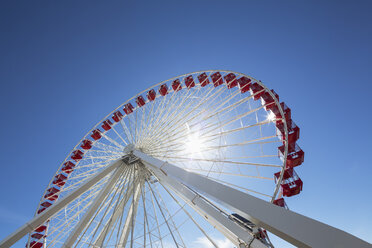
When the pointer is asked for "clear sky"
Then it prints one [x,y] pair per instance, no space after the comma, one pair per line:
[65,64]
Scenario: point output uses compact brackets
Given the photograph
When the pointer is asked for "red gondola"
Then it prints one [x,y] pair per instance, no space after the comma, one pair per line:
[68,167]
[217,79]
[163,90]
[106,125]
[86,144]
[231,80]
[203,79]
[117,116]
[151,95]
[244,84]
[140,101]
[176,85]
[96,134]
[291,184]
[77,155]
[128,108]
[189,82]
[295,156]
[256,90]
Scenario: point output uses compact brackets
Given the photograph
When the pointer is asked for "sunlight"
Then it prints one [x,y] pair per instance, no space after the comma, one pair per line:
[270,116]
[194,144]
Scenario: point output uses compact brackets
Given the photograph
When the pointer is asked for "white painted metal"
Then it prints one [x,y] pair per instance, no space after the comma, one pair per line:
[297,229]
[128,226]
[93,208]
[101,237]
[40,219]
[235,233]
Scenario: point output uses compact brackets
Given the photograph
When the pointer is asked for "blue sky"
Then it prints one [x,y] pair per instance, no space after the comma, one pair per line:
[65,64]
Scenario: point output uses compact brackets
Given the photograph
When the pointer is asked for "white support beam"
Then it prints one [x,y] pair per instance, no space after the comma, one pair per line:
[74,234]
[131,217]
[56,207]
[235,233]
[102,235]
[296,229]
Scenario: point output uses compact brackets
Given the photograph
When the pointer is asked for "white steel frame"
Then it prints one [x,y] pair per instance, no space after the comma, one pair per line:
[297,229]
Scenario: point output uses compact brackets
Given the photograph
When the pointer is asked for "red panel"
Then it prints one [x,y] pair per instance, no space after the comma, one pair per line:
[217,79]
[293,131]
[244,84]
[203,79]
[96,134]
[163,90]
[140,101]
[267,100]
[59,180]
[106,125]
[77,155]
[52,197]
[280,202]
[189,82]
[40,210]
[151,95]
[176,85]
[128,108]
[117,116]
[291,183]
[35,244]
[256,90]
[41,228]
[51,194]
[286,110]
[68,167]
[46,204]
[231,80]
[295,156]
[37,235]
[86,144]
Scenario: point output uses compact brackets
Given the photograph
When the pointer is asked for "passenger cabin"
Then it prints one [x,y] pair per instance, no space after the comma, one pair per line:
[280,202]
[46,204]
[295,156]
[35,244]
[268,101]
[176,85]
[244,84]
[276,112]
[51,193]
[40,210]
[59,180]
[189,82]
[203,79]
[151,95]
[140,101]
[41,228]
[38,236]
[96,134]
[293,131]
[77,155]
[106,125]
[231,80]
[68,167]
[291,184]
[217,79]
[117,116]
[163,90]
[256,91]
[86,144]
[128,108]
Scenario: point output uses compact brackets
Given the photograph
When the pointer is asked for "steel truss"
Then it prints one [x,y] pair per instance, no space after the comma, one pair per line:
[297,229]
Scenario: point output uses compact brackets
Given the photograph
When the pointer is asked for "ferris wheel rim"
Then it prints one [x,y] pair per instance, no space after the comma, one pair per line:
[169,80]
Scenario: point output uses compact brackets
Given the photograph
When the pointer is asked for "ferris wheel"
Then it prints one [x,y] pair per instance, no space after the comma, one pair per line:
[193,158]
